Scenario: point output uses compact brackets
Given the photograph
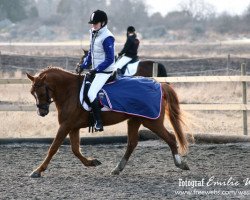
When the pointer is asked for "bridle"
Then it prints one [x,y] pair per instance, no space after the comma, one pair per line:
[44,106]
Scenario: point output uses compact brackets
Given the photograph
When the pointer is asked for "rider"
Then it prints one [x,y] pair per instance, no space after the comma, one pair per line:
[129,51]
[101,55]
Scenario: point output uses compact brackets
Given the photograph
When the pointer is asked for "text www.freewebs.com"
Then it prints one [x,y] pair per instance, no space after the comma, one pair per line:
[214,192]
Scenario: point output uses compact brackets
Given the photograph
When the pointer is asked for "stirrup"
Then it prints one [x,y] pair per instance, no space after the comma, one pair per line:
[98,128]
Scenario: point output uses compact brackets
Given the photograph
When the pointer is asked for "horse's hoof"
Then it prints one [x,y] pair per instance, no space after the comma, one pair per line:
[96,162]
[183,166]
[115,172]
[35,174]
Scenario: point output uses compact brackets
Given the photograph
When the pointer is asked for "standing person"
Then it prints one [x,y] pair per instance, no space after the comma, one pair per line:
[130,49]
[101,55]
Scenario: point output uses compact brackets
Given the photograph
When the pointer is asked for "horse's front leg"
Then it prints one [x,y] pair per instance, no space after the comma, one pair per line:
[60,136]
[133,127]
[74,136]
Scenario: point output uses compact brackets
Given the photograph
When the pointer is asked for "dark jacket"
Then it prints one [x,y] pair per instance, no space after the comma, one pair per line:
[131,46]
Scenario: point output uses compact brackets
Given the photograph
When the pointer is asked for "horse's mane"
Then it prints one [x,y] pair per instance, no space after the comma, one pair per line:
[54,69]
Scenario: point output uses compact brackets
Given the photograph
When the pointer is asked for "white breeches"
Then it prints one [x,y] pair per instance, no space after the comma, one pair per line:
[122,61]
[97,84]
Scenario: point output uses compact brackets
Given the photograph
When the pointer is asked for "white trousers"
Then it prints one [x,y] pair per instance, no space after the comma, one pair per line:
[97,84]
[122,61]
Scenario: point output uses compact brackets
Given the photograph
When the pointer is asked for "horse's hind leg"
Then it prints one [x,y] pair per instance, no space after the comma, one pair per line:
[74,136]
[133,127]
[158,128]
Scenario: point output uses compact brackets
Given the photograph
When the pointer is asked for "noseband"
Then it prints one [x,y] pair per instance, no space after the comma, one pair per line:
[44,106]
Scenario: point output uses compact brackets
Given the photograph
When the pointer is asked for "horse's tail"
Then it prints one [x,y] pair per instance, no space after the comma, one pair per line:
[162,72]
[174,113]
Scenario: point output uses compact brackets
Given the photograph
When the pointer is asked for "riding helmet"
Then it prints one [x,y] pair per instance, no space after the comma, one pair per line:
[131,29]
[98,16]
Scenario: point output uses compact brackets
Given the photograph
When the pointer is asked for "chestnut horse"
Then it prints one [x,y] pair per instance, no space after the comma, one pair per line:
[145,68]
[63,87]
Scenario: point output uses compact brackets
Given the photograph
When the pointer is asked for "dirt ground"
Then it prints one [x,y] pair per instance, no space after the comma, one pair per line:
[178,66]
[222,171]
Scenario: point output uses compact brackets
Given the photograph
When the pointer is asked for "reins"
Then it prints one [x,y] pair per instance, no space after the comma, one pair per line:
[79,89]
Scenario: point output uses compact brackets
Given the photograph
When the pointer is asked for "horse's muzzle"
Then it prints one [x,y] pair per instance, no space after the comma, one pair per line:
[42,113]
[42,110]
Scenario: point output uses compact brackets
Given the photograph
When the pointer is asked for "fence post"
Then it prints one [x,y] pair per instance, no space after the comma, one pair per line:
[67,63]
[228,63]
[0,60]
[155,69]
[244,98]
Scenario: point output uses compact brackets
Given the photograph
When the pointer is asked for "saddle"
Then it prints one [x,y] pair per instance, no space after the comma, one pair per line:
[138,96]
[88,81]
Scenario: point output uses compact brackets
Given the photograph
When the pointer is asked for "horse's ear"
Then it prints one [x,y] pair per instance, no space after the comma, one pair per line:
[30,77]
[85,51]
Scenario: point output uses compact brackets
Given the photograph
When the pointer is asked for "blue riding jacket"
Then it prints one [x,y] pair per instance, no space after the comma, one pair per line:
[101,54]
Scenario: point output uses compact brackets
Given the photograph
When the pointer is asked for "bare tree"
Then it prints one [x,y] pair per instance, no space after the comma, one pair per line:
[47,8]
[246,16]
[123,13]
[198,9]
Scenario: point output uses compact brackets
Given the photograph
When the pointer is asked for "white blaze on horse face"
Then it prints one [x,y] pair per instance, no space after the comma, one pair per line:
[177,158]
[36,97]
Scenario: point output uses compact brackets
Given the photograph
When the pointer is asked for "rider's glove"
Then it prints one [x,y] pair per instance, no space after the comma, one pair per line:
[92,72]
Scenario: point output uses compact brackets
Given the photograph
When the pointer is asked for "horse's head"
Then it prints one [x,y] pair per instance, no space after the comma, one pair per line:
[85,53]
[42,93]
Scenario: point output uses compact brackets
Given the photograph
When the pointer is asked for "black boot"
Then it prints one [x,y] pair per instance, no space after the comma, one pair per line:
[119,72]
[97,115]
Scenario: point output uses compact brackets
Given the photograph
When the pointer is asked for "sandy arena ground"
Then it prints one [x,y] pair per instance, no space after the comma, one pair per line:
[150,173]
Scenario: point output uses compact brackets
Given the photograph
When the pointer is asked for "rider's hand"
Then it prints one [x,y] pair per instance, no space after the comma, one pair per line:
[92,72]
[78,68]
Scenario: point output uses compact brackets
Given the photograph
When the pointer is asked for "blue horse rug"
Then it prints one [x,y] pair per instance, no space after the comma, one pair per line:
[137,96]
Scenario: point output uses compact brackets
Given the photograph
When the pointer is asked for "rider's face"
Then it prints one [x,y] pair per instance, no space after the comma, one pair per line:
[97,26]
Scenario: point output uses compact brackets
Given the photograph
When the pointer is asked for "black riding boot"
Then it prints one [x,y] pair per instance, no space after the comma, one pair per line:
[119,72]
[97,115]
